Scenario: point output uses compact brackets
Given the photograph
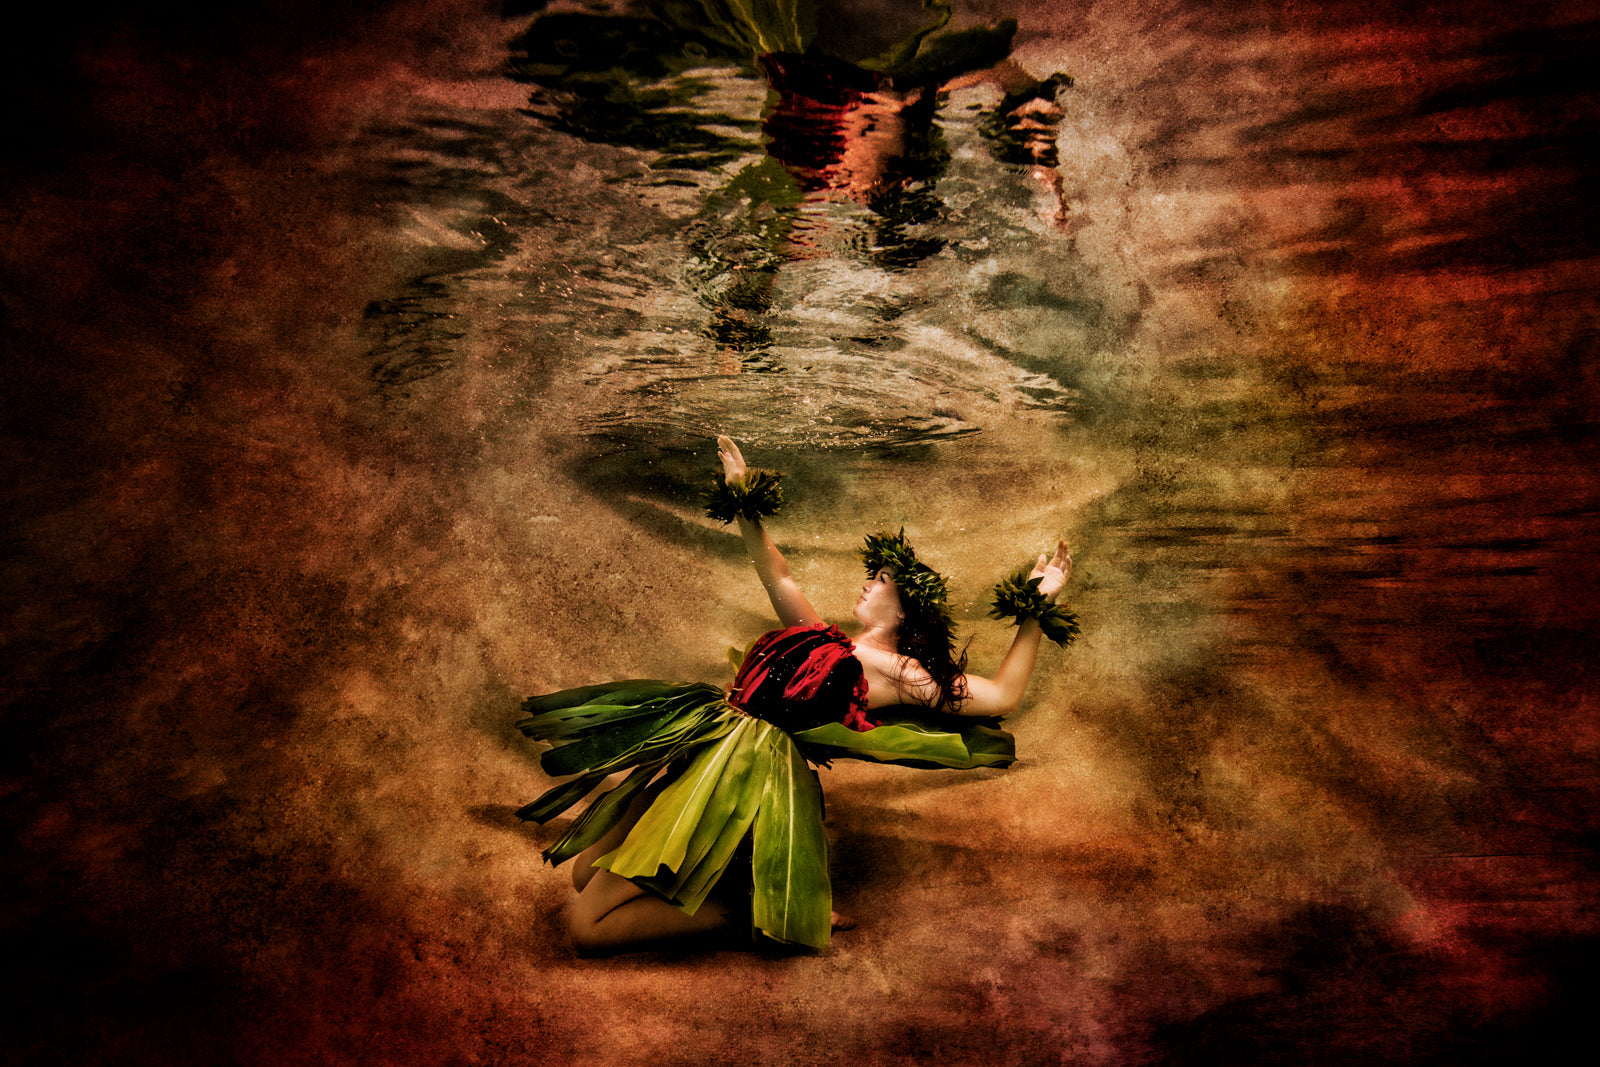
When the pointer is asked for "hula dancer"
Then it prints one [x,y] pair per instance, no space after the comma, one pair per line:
[716,830]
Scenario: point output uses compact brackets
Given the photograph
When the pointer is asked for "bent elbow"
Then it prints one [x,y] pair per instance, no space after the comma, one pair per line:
[986,697]
[988,708]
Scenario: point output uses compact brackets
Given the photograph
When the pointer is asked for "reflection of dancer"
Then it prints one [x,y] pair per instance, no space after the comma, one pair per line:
[840,130]
[1022,130]
[853,116]
[718,825]
[845,133]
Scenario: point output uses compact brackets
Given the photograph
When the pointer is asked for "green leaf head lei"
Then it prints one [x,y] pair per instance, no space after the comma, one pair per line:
[1018,597]
[925,588]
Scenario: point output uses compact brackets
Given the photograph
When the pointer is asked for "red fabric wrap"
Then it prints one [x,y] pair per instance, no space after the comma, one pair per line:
[801,677]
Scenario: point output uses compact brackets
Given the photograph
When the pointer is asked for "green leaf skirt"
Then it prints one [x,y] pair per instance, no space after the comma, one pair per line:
[719,777]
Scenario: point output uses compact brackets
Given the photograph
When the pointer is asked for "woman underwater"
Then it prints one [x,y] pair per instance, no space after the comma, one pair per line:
[717,828]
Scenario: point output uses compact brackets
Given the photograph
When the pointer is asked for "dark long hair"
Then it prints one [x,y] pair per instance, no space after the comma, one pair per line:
[926,636]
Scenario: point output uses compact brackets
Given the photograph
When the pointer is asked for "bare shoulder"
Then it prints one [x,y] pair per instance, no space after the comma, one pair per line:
[894,679]
[883,662]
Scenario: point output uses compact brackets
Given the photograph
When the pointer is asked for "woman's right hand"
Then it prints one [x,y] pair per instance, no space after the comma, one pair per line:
[1053,574]
[733,468]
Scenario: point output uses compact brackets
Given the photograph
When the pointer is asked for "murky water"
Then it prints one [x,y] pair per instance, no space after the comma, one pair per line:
[359,388]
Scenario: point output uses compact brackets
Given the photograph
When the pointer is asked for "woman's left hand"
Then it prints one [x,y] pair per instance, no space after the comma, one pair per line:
[1053,572]
[733,468]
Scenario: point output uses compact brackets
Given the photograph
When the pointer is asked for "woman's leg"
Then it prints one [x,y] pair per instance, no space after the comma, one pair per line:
[612,915]
[583,867]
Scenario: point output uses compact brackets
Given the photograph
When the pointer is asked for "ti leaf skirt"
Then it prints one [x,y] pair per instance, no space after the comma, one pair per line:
[720,776]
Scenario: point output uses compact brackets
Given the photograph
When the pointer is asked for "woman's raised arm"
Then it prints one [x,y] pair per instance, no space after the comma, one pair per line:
[787,600]
[1002,694]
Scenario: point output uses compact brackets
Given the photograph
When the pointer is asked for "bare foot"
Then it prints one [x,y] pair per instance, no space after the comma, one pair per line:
[842,922]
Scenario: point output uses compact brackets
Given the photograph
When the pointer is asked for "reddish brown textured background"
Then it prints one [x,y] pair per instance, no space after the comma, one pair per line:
[1317,786]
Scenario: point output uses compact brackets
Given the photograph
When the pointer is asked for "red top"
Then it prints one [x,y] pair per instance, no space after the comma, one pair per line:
[801,677]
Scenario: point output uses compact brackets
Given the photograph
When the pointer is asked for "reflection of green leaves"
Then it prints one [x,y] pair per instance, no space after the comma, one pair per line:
[764,182]
[736,245]
[762,198]
[946,55]
[905,50]
[755,27]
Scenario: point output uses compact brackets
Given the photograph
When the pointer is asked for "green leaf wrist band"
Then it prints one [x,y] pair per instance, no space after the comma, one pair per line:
[1018,598]
[758,493]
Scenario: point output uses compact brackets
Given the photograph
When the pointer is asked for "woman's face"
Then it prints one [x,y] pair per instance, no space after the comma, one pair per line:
[879,604]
